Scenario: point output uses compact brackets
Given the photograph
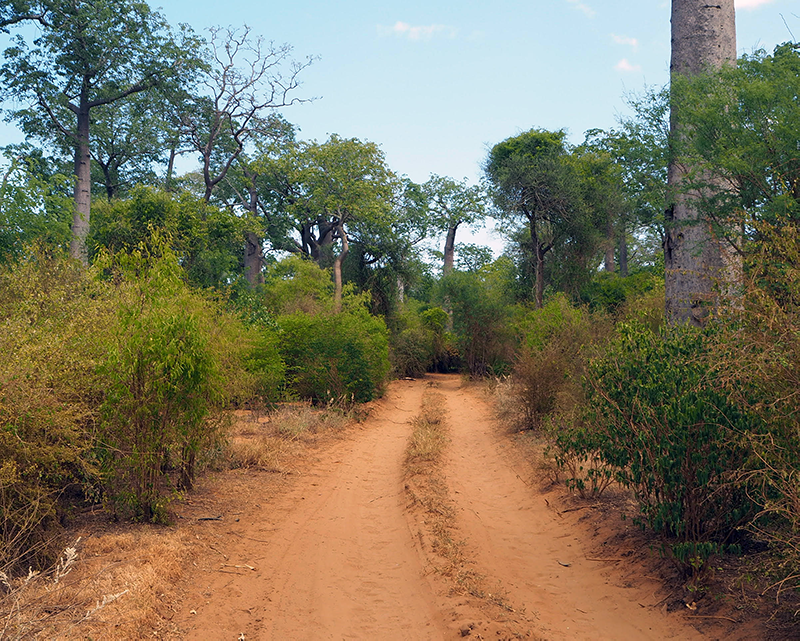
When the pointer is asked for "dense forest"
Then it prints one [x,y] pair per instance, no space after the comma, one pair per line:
[138,306]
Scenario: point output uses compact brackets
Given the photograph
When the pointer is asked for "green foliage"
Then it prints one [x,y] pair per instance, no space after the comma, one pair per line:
[35,205]
[340,357]
[480,325]
[164,379]
[657,418]
[207,239]
[423,344]
[55,322]
[608,291]
[297,285]
[744,122]
[552,358]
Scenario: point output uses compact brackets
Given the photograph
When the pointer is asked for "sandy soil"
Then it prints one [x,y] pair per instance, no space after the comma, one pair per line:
[335,553]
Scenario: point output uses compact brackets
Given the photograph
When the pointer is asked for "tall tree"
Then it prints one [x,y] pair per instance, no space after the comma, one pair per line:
[697,257]
[745,121]
[531,177]
[245,81]
[451,205]
[90,54]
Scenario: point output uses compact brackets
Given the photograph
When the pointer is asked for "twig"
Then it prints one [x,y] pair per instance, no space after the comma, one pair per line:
[709,616]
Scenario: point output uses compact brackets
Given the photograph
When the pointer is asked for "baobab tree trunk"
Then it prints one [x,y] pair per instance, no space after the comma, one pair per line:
[698,260]
[83,188]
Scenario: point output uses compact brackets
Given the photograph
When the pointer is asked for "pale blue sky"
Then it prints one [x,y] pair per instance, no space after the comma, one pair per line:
[435,83]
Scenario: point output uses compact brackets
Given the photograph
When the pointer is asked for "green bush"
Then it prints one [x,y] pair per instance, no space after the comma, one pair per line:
[552,357]
[55,322]
[657,418]
[335,357]
[164,381]
[424,344]
[480,324]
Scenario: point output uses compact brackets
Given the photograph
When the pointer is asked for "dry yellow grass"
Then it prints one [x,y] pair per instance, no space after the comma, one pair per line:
[121,580]
[427,489]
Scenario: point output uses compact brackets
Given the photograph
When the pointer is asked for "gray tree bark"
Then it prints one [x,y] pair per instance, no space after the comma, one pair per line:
[698,261]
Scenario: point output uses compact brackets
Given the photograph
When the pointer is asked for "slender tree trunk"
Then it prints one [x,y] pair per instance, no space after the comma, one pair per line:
[623,251]
[539,275]
[253,247]
[698,262]
[337,270]
[83,187]
[608,262]
[170,169]
[449,250]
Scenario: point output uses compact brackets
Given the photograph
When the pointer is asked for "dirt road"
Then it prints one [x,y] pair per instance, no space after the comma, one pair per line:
[334,557]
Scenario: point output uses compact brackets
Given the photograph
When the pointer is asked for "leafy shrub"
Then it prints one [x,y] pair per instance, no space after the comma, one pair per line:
[658,420]
[163,380]
[335,357]
[610,291]
[552,358]
[479,322]
[424,345]
[298,285]
[54,325]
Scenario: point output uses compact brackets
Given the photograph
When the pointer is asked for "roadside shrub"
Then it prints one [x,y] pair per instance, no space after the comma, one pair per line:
[657,419]
[609,291]
[480,323]
[757,361]
[335,357]
[163,383]
[412,352]
[54,325]
[552,358]
[424,344]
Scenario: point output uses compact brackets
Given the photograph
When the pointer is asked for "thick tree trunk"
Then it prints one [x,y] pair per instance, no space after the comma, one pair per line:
[253,260]
[449,250]
[83,188]
[538,256]
[698,262]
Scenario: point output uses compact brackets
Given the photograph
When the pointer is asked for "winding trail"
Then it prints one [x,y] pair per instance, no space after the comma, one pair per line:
[334,556]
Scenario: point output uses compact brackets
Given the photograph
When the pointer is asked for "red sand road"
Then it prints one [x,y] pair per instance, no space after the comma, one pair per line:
[334,557]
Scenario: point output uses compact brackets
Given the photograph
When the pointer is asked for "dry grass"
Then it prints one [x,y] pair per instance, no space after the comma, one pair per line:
[110,586]
[427,489]
[120,579]
[271,442]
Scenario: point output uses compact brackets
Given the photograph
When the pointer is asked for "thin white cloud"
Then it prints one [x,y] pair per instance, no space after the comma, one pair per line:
[626,67]
[582,6]
[417,32]
[750,4]
[625,40]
